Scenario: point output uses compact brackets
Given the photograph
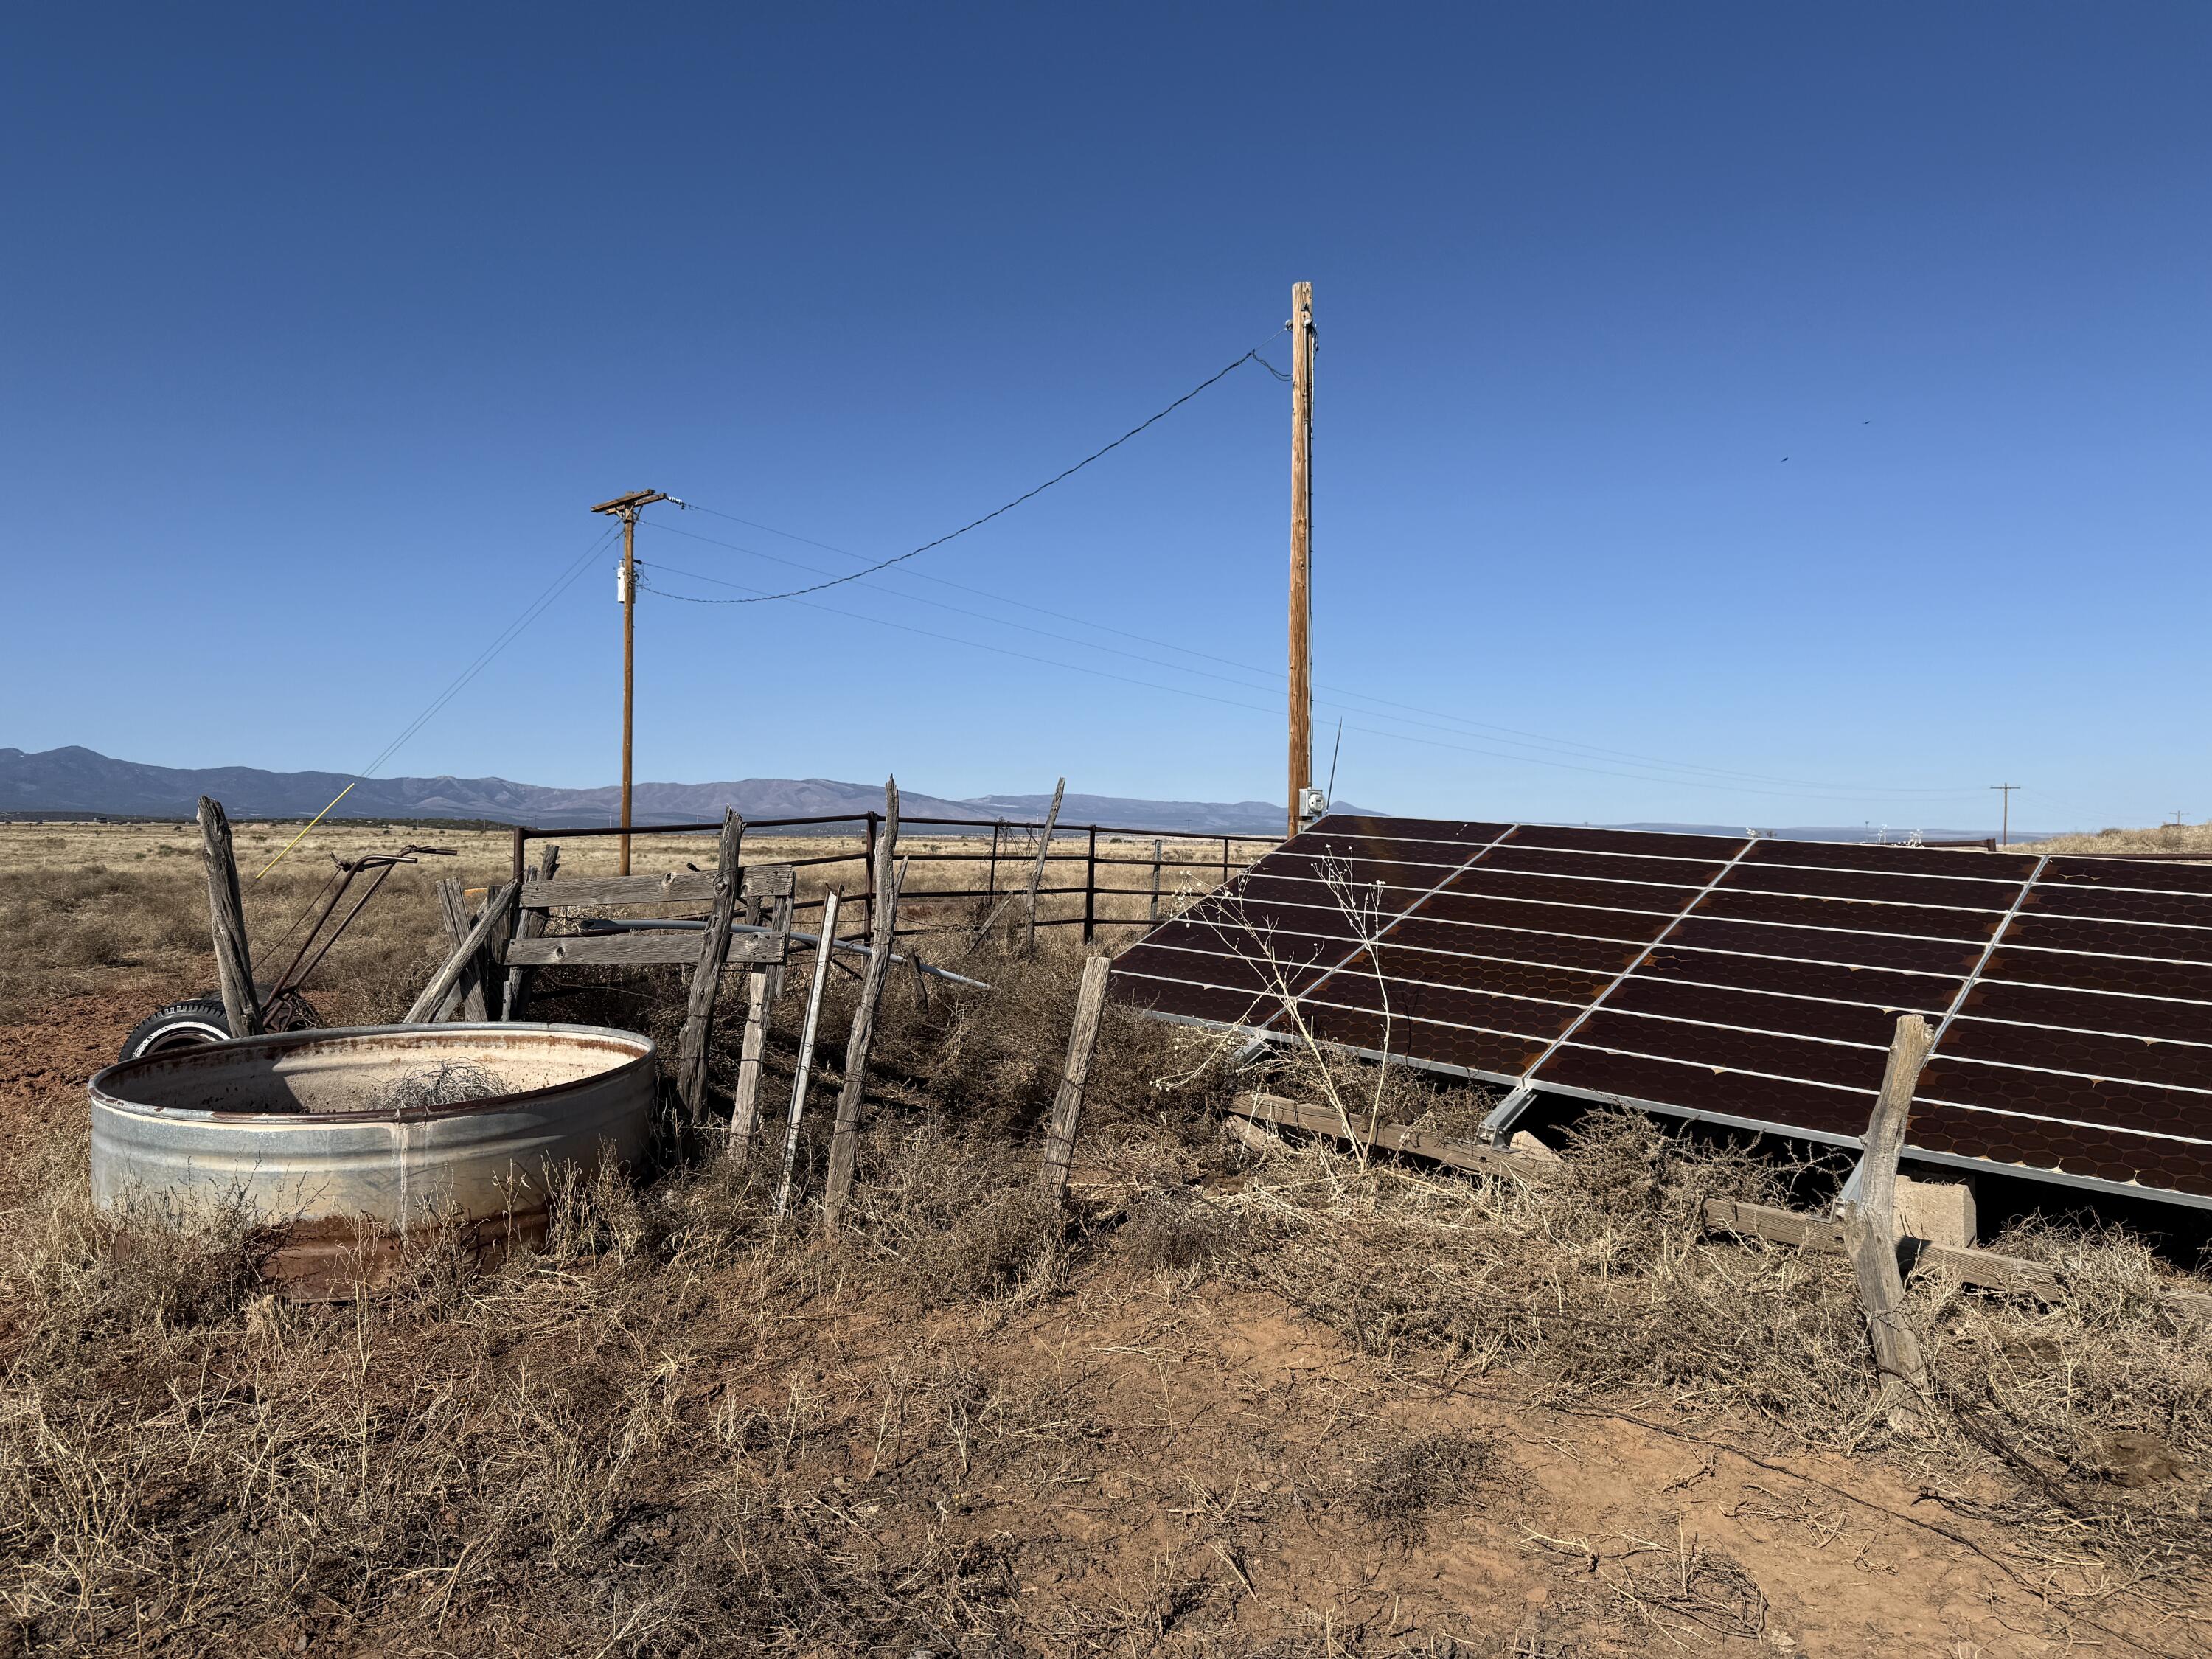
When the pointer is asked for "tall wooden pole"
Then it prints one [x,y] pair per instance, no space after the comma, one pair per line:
[1302,368]
[625,508]
[629,663]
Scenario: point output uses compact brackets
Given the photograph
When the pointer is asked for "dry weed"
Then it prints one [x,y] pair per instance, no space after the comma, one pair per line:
[679,1425]
[1405,1479]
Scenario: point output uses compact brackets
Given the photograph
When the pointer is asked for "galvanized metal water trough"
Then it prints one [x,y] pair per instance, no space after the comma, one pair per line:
[340,1145]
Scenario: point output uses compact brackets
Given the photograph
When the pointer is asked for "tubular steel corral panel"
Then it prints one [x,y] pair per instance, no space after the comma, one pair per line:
[1747,983]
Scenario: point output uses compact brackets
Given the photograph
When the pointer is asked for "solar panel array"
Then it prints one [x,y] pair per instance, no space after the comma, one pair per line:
[1752,980]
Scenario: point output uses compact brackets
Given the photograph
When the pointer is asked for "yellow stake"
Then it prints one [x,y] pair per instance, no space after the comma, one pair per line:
[311,822]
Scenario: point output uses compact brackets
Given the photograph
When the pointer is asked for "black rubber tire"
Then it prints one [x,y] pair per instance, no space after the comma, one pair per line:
[188,1024]
[199,1020]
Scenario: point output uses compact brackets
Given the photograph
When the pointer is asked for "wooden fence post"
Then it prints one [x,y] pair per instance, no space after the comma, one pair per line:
[744,1104]
[993,883]
[822,952]
[1153,913]
[494,951]
[763,989]
[1870,1221]
[527,925]
[707,976]
[845,1138]
[1044,846]
[467,1001]
[1067,1107]
[442,982]
[234,961]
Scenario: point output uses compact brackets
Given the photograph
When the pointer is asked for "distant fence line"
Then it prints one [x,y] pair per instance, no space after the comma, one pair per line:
[1013,850]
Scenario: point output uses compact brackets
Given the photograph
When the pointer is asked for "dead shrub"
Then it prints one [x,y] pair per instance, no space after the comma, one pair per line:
[1177,1235]
[956,1214]
[1595,1281]
[1405,1479]
[1010,1244]
[94,1277]
[2098,1404]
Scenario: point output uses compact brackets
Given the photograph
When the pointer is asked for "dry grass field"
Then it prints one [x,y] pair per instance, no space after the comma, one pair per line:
[1238,1402]
[2194,839]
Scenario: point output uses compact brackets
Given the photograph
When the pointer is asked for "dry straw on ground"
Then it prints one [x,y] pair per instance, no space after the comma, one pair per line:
[685,1427]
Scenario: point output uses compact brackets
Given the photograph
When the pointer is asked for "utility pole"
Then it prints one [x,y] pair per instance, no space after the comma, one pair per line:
[2004,830]
[1301,371]
[625,508]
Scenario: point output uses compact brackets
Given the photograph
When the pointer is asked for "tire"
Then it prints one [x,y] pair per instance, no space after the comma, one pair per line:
[189,1024]
[200,1020]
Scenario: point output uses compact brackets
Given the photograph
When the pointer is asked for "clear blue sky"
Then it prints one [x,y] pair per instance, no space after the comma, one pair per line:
[326,325]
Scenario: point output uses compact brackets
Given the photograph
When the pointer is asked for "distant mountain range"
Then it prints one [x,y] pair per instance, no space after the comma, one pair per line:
[77,781]
[80,782]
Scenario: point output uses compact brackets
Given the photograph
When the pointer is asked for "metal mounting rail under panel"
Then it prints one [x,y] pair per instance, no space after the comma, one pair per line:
[1747,982]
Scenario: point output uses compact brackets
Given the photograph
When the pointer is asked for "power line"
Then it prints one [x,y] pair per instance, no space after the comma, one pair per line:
[1155,685]
[1251,357]
[1457,727]
[514,631]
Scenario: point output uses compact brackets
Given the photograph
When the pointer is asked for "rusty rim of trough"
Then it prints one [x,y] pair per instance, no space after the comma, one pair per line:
[102,1087]
[341,1258]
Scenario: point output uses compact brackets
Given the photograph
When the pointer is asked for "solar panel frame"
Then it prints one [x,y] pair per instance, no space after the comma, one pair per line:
[1702,975]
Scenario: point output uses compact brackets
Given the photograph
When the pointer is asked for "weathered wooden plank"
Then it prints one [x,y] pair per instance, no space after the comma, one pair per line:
[1044,847]
[745,1102]
[1870,1220]
[466,999]
[845,1137]
[707,975]
[822,953]
[672,887]
[494,953]
[1420,1143]
[779,910]
[434,994]
[659,946]
[527,924]
[770,881]
[234,961]
[1075,1077]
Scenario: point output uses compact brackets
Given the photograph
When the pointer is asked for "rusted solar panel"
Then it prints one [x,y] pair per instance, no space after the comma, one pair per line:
[1754,980]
